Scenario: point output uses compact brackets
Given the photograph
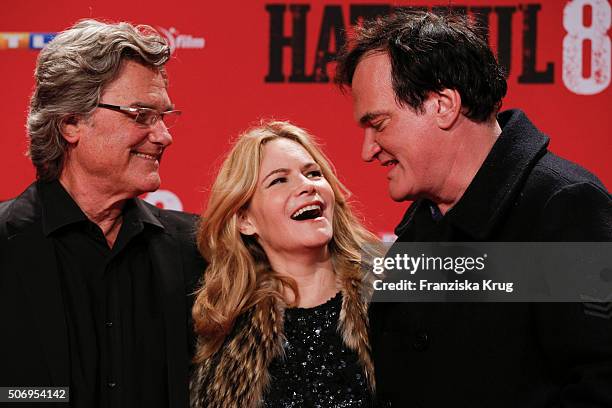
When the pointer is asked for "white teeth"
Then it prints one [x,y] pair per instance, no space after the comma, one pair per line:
[304,209]
[145,156]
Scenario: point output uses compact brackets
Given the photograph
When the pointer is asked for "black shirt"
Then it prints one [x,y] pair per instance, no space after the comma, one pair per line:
[112,305]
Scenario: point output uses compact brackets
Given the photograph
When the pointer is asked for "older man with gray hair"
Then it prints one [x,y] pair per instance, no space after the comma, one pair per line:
[94,282]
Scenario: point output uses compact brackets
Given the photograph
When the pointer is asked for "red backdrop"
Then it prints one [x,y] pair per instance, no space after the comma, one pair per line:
[226,74]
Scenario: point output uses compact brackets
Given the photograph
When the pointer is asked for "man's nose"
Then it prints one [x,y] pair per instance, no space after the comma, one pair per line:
[159,134]
[369,148]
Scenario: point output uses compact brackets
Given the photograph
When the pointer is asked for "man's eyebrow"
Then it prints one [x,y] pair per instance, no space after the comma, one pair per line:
[369,116]
[150,106]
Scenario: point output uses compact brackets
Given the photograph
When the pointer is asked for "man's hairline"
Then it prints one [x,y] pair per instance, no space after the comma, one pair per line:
[364,55]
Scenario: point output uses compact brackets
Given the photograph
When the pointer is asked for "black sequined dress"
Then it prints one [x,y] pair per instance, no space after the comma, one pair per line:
[318,370]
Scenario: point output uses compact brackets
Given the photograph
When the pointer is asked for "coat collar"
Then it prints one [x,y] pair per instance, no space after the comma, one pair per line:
[497,182]
[23,211]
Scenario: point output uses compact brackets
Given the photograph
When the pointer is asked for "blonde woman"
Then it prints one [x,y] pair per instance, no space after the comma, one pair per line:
[280,317]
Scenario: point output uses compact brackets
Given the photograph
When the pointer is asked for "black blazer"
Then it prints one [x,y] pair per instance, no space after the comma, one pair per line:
[519,355]
[34,342]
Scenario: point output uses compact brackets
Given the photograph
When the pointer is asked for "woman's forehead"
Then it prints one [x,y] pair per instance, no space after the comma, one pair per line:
[283,150]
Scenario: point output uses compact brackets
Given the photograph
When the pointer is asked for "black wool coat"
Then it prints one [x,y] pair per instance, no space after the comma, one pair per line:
[502,354]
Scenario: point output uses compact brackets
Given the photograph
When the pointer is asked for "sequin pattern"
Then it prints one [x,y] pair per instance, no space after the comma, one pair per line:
[318,370]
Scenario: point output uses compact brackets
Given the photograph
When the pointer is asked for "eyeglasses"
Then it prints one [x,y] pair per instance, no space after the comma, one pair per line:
[146,116]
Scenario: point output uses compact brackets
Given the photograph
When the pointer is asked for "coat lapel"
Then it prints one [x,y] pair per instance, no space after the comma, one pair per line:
[39,275]
[168,267]
[32,256]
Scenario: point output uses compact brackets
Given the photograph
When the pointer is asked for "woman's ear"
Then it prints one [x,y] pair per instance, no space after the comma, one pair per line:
[245,225]
[448,107]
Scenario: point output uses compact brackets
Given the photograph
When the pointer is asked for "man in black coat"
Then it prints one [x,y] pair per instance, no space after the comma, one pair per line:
[427,90]
[96,284]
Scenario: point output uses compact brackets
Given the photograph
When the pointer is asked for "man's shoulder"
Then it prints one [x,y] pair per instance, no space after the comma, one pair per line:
[554,175]
[563,201]
[20,211]
[4,208]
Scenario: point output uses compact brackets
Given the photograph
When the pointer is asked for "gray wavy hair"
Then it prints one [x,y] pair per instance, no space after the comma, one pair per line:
[71,73]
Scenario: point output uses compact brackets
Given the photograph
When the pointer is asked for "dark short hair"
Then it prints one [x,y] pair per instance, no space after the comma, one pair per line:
[71,73]
[430,52]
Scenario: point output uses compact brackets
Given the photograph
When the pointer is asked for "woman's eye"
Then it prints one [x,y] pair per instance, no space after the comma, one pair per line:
[277,180]
[315,173]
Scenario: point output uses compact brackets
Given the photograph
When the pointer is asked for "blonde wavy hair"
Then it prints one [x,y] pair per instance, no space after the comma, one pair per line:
[239,274]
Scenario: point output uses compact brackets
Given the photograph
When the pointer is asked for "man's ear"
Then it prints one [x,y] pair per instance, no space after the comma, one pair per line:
[448,107]
[71,128]
[245,225]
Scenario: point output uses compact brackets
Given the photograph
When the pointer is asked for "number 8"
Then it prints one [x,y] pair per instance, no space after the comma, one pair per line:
[573,42]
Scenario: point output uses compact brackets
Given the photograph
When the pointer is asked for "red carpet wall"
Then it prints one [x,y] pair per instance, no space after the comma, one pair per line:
[237,62]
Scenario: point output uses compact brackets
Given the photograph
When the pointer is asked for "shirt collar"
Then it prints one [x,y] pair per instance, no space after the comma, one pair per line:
[59,209]
[145,213]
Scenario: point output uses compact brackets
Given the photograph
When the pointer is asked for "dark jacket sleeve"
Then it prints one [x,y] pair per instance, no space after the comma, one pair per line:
[184,226]
[577,337]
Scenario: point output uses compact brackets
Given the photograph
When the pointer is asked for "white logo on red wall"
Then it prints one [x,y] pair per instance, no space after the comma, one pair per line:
[177,40]
[165,199]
